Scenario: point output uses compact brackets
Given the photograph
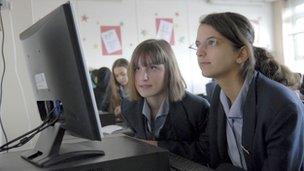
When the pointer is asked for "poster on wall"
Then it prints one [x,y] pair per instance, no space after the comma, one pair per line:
[111,40]
[164,29]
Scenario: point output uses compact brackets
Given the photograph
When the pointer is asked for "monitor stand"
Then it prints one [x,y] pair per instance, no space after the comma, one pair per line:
[48,150]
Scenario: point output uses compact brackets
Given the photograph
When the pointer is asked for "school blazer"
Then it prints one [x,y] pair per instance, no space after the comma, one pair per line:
[272,137]
[183,132]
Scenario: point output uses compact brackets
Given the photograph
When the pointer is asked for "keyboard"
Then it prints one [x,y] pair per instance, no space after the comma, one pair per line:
[178,163]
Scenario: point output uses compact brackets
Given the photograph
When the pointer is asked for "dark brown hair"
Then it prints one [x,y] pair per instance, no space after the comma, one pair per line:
[267,65]
[237,29]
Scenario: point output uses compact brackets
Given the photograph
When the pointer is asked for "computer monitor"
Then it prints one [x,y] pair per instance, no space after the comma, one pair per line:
[58,73]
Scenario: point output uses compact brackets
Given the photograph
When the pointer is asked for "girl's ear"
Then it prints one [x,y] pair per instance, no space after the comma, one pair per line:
[243,55]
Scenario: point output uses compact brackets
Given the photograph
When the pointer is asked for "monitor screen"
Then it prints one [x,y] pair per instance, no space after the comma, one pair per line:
[58,73]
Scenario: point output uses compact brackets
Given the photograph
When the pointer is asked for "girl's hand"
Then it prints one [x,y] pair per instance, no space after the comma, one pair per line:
[151,142]
[117,110]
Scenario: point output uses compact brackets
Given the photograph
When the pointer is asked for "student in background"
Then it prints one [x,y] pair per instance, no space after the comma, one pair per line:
[158,109]
[101,80]
[301,89]
[254,123]
[267,65]
[119,81]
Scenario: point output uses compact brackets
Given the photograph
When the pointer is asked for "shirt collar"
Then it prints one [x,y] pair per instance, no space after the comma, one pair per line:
[236,108]
[163,110]
[146,110]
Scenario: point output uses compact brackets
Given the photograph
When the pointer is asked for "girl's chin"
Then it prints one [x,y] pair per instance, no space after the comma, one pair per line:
[206,74]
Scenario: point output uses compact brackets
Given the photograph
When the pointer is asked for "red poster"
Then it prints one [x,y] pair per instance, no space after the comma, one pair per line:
[164,29]
[111,40]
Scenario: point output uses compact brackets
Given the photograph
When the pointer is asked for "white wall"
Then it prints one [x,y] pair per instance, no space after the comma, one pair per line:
[19,112]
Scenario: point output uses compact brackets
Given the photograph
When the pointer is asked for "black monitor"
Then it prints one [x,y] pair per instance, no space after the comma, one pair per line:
[58,73]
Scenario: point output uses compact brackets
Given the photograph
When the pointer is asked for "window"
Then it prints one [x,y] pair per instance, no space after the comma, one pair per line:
[298,38]
[293,35]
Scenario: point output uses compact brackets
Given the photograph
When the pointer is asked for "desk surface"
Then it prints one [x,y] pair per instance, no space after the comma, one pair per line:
[121,152]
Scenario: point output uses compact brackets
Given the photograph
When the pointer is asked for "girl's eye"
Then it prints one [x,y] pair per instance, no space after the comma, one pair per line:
[136,68]
[153,67]
[212,42]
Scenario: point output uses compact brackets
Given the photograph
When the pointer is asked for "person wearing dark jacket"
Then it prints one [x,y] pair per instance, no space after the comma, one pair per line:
[254,123]
[101,80]
[158,108]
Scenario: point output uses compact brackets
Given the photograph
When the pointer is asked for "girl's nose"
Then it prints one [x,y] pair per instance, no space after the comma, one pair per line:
[145,75]
[200,52]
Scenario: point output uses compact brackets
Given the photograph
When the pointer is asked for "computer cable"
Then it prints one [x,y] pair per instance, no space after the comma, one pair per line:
[50,120]
[3,73]
[26,139]
[30,132]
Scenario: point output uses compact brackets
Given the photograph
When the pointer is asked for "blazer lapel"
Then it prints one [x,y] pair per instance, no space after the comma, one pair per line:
[249,122]
[221,133]
[169,130]
[141,120]
[219,119]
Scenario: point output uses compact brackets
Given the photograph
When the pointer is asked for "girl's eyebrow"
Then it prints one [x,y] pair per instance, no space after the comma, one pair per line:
[210,37]
[197,41]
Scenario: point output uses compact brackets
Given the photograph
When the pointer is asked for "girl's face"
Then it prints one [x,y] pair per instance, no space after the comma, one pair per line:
[121,76]
[215,54]
[149,80]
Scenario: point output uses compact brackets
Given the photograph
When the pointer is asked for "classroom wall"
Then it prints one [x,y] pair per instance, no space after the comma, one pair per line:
[136,19]
[18,111]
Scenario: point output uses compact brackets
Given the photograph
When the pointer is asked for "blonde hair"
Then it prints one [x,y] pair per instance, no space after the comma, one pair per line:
[115,98]
[157,52]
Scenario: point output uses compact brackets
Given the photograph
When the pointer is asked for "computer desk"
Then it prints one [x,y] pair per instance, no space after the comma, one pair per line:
[176,162]
[121,153]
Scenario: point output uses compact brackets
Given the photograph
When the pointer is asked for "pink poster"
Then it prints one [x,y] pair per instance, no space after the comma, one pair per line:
[111,40]
[164,29]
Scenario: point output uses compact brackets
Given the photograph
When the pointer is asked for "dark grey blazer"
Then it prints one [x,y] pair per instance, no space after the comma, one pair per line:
[184,130]
[272,136]
[209,89]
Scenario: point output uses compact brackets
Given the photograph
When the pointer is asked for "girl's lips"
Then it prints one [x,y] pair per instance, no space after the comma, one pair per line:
[204,63]
[145,86]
